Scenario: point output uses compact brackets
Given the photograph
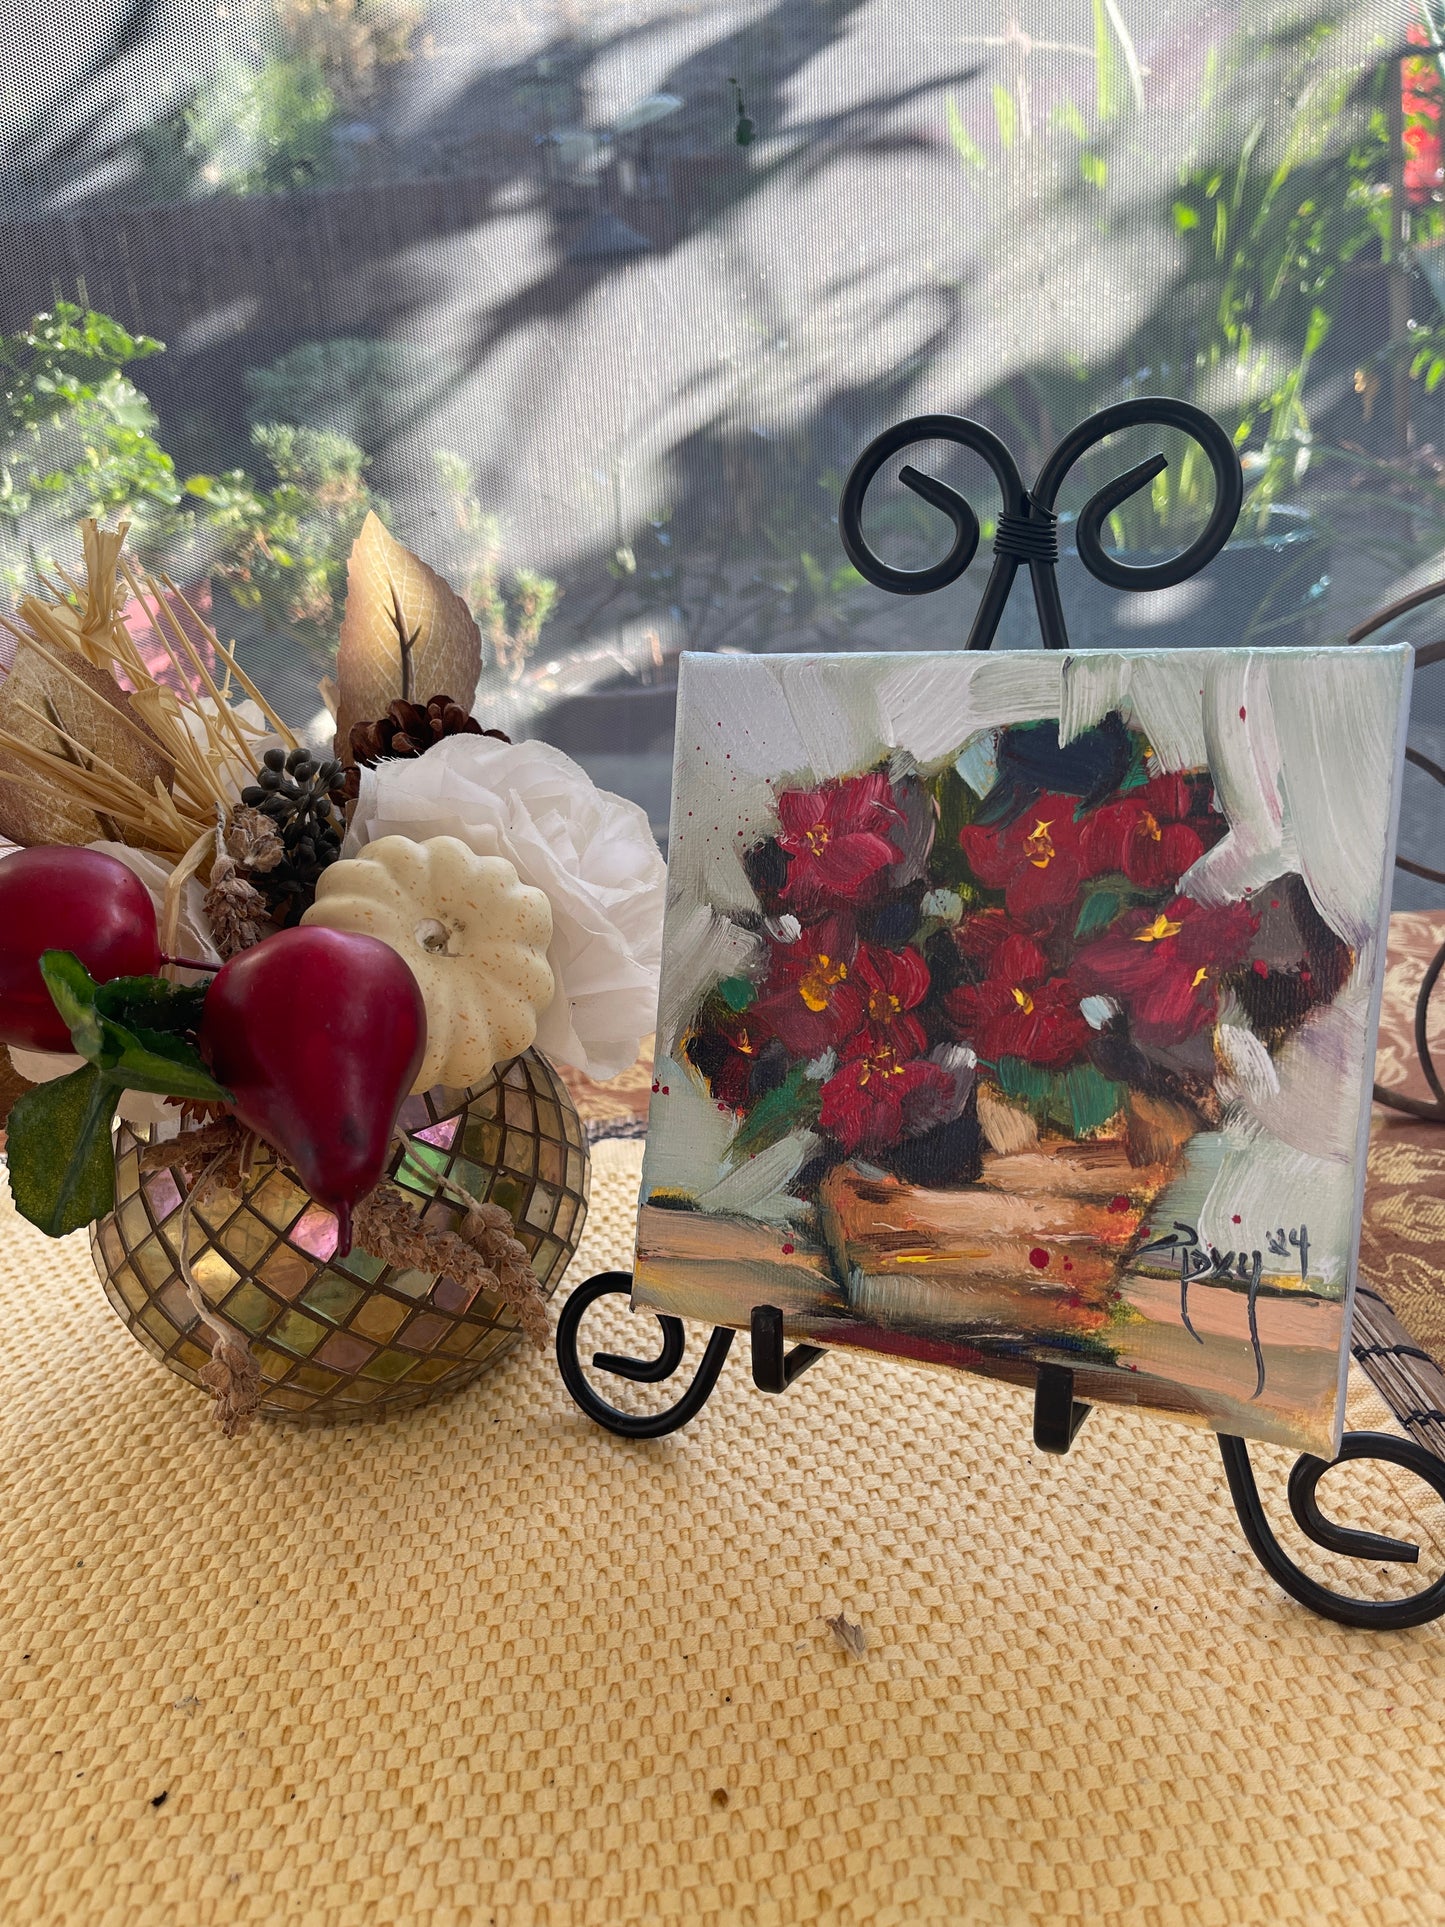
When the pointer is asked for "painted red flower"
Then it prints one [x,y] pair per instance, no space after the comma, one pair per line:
[1034,860]
[1152,835]
[1164,966]
[989,938]
[837,837]
[892,983]
[810,1000]
[1019,1010]
[876,1098]
[727,1053]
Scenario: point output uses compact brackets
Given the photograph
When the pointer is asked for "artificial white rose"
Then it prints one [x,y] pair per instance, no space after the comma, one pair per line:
[592,853]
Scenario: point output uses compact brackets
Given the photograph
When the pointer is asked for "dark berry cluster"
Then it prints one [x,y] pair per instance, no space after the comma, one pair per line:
[305,797]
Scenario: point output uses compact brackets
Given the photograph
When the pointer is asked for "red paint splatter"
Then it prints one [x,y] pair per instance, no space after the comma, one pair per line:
[788,1251]
[721,1106]
[656,1086]
[1274,903]
[665,1091]
[1304,975]
[1068,1264]
[1261,968]
[1039,1258]
[1241,712]
[1120,1203]
[1235,1219]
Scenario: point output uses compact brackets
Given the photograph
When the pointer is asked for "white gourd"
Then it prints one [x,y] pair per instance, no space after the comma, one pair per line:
[474,935]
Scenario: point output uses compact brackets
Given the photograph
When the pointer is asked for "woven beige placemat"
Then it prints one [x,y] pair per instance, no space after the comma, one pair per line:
[481,1663]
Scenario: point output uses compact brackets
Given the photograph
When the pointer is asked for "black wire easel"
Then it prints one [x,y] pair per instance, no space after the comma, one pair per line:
[1027,535]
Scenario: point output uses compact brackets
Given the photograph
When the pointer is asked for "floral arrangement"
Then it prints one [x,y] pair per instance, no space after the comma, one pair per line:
[960,961]
[258,948]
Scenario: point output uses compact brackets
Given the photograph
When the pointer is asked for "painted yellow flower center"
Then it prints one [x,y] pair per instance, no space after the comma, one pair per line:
[1149,826]
[814,985]
[882,1063]
[1040,845]
[1024,1001]
[1199,977]
[1157,931]
[883,1006]
[816,839]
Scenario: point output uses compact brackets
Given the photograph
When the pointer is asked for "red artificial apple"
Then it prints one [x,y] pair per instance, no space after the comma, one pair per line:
[319,1035]
[56,897]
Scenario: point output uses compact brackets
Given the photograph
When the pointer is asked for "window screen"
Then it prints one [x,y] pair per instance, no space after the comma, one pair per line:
[596,304]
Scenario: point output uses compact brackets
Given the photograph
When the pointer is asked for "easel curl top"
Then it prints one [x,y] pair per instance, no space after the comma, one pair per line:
[1028,527]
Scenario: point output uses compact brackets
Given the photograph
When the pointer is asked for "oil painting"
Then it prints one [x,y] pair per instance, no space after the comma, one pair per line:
[1020,1009]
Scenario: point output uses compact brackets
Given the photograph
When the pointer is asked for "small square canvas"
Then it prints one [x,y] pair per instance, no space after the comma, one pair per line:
[1021,1009]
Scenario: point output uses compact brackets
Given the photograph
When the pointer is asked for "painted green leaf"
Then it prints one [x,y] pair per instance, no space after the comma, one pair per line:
[792,1106]
[62,1168]
[1018,1078]
[1101,904]
[1092,1098]
[957,805]
[738,993]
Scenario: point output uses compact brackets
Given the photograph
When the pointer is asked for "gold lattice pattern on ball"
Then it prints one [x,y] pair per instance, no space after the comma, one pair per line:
[336,1335]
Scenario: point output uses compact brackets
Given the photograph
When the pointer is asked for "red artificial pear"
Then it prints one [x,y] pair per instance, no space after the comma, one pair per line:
[56,897]
[319,1034]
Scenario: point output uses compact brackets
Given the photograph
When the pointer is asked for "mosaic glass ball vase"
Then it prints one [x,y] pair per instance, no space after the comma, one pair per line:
[337,1336]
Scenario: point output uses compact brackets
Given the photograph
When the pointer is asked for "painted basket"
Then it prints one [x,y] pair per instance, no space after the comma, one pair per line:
[335,1337]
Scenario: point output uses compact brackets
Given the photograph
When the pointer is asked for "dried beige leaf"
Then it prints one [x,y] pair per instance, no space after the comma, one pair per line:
[849,1636]
[405,634]
[43,703]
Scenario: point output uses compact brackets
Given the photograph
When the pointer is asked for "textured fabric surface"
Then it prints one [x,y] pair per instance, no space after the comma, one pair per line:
[481,1663]
[1402,1246]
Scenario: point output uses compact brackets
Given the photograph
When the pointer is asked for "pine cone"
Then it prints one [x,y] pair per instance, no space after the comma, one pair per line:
[305,798]
[410,729]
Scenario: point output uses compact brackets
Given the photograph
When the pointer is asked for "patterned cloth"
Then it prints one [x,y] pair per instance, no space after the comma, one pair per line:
[1402,1244]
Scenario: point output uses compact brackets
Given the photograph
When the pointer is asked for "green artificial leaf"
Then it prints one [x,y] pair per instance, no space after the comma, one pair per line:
[72,991]
[150,1003]
[62,1168]
[132,1029]
[738,993]
[792,1105]
[151,1060]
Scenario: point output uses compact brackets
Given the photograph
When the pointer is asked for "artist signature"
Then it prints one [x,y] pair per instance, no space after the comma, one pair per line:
[1198,1261]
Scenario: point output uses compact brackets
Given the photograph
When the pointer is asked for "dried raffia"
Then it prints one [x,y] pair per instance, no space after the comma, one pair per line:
[238,913]
[88,736]
[483,1255]
[232,1377]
